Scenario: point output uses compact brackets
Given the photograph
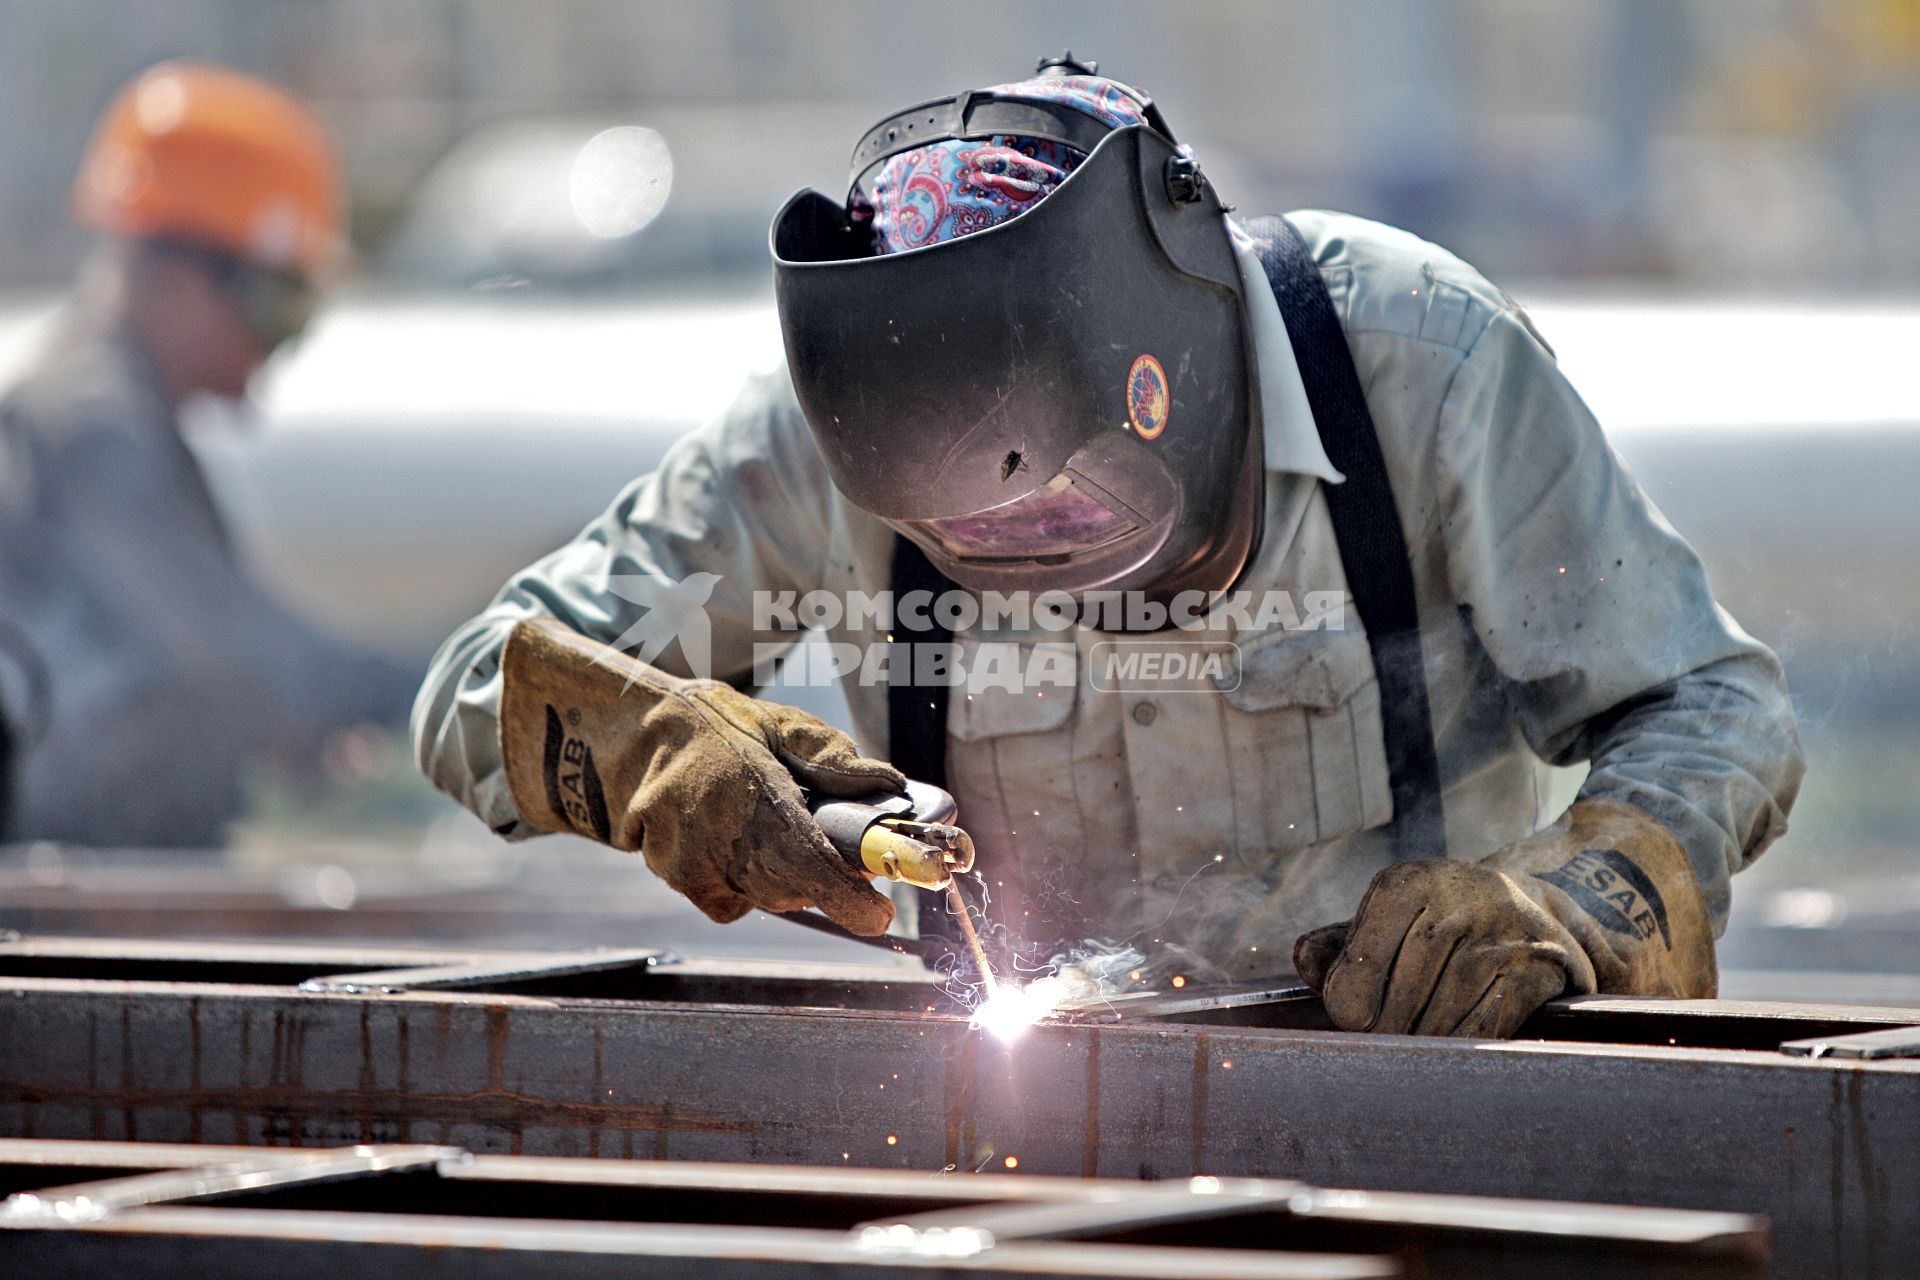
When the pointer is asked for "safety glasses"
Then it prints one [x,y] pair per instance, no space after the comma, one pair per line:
[277,305]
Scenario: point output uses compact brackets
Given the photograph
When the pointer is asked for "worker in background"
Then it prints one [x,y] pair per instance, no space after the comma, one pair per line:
[169,672]
[1029,351]
[23,705]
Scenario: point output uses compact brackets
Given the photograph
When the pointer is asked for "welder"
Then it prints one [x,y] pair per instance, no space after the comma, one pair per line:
[1028,351]
[169,672]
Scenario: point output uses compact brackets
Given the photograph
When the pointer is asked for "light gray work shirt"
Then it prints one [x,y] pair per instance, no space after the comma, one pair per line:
[1563,621]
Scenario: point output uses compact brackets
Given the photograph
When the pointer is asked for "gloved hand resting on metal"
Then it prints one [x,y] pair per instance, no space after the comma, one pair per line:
[703,780]
[1603,900]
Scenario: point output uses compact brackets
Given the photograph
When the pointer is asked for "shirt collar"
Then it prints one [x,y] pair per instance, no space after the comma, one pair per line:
[1292,441]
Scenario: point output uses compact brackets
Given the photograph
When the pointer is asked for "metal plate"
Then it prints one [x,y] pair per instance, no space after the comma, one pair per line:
[1894,1042]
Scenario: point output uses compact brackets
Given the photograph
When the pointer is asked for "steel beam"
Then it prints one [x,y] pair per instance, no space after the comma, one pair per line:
[1680,1104]
[408,1207]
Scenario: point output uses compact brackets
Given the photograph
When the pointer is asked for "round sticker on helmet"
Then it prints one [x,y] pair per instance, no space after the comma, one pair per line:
[1148,402]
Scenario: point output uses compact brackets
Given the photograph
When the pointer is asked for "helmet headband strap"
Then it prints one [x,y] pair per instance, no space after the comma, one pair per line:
[982,113]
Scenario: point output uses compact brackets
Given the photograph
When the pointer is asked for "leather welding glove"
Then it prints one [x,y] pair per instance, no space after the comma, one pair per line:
[703,780]
[1603,900]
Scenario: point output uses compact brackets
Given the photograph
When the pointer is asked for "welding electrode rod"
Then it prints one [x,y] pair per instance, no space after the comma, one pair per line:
[973,938]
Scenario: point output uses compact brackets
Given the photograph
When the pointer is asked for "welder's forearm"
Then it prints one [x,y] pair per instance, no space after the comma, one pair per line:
[1716,758]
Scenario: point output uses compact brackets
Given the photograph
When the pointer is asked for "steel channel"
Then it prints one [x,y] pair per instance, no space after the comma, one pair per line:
[83,1202]
[481,973]
[890,1215]
[245,1244]
[1437,1236]
[1828,1150]
[1894,1042]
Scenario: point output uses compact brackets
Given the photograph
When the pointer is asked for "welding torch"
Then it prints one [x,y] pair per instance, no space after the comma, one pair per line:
[910,837]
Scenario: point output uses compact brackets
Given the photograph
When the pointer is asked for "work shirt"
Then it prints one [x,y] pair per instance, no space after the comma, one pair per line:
[169,672]
[1563,621]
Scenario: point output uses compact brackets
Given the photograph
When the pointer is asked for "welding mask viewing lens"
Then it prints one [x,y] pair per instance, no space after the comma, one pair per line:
[1058,519]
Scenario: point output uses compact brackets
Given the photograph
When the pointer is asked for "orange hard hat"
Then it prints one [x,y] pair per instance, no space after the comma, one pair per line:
[203,154]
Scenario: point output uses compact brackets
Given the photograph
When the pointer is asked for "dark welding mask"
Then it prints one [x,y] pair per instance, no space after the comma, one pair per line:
[1063,401]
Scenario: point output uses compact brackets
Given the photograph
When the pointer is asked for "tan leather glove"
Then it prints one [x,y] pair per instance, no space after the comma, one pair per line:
[1603,900]
[703,780]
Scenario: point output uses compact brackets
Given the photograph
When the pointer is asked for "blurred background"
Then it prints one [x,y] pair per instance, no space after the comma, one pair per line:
[1711,208]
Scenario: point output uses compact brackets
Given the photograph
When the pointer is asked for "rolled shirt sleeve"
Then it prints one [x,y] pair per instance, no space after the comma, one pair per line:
[737,507]
[1599,617]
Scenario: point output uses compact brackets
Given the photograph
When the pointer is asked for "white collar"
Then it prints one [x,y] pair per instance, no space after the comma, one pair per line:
[1292,442]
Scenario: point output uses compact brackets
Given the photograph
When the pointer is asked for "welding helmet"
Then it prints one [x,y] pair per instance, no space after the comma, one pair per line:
[1061,401]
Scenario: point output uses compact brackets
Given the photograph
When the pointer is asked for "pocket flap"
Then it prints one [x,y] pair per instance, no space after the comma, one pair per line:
[998,711]
[1318,669]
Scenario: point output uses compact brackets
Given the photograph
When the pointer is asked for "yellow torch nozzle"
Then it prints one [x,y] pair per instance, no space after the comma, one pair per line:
[919,853]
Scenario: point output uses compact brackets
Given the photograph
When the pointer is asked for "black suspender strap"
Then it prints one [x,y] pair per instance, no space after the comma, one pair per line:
[1366,525]
[916,717]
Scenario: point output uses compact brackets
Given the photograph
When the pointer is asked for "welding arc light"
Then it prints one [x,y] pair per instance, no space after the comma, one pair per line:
[1011,1010]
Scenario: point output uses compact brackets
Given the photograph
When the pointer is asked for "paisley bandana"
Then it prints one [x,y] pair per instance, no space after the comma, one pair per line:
[955,188]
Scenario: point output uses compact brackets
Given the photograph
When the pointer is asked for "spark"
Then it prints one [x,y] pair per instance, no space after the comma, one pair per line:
[1179,981]
[893,1139]
[1013,1162]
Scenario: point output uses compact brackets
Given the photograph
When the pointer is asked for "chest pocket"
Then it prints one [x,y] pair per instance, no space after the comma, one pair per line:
[1011,756]
[1305,749]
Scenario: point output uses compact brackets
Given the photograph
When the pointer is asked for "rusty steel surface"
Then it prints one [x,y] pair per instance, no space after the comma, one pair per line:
[407,1209]
[1679,1104]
